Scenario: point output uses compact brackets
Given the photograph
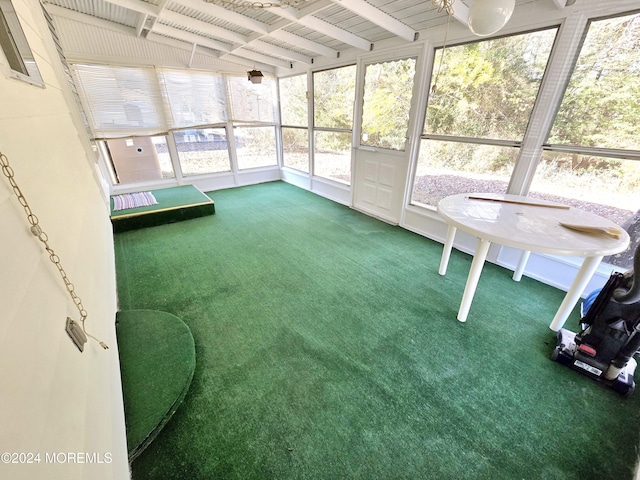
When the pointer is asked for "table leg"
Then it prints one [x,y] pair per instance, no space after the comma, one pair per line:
[446,251]
[522,263]
[472,280]
[588,268]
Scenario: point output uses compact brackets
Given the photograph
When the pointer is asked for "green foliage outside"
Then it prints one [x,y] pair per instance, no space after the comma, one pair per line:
[293,101]
[601,107]
[387,103]
[293,109]
[486,90]
[333,100]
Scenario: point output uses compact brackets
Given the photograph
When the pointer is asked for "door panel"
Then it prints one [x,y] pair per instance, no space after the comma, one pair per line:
[379,182]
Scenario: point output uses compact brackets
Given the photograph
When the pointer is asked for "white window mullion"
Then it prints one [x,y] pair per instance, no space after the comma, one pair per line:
[175,158]
[229,128]
[557,75]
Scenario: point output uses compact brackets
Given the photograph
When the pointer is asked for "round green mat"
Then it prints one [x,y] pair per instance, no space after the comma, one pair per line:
[157,361]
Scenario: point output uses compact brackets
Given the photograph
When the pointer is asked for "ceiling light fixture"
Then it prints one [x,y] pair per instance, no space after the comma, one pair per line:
[486,17]
[255,76]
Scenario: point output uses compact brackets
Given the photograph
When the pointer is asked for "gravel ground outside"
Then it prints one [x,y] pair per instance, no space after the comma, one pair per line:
[430,189]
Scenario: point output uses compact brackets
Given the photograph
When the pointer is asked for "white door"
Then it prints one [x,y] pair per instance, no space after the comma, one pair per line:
[381,161]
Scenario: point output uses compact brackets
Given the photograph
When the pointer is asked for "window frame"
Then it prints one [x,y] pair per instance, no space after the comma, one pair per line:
[414,55]
[322,129]
[13,38]
[614,153]
[432,65]
[282,127]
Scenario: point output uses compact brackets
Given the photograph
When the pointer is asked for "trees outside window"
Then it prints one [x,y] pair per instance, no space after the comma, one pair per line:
[592,155]
[481,98]
[294,119]
[333,101]
[387,103]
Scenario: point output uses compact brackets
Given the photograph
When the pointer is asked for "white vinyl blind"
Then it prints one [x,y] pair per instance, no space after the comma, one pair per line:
[120,101]
[140,101]
[193,98]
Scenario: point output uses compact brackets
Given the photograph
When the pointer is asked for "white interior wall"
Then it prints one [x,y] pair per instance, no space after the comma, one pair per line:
[54,399]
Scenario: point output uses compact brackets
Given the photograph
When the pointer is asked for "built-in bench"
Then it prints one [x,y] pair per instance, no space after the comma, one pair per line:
[174,205]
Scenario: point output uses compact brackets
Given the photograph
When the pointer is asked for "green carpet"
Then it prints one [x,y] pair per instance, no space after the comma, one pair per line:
[328,348]
[157,361]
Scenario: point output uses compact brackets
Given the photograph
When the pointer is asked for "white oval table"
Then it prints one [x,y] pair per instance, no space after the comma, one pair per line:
[528,224]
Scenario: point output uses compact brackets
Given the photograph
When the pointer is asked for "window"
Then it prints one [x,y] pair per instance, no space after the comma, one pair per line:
[293,101]
[333,99]
[198,108]
[387,103]
[592,156]
[193,98]
[202,150]
[253,114]
[251,102]
[294,119]
[482,95]
[255,147]
[445,168]
[138,159]
[15,46]
[601,104]
[295,148]
[120,100]
[332,154]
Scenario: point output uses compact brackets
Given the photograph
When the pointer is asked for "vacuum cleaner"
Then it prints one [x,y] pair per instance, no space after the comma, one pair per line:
[610,333]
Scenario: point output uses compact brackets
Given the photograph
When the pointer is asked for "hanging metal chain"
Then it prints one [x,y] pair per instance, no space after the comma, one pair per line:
[42,236]
[446,5]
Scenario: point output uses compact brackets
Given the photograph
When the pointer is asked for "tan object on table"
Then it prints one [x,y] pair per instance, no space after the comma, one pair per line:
[611,231]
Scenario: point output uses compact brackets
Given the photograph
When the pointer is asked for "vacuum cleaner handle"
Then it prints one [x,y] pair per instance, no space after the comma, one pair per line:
[630,291]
